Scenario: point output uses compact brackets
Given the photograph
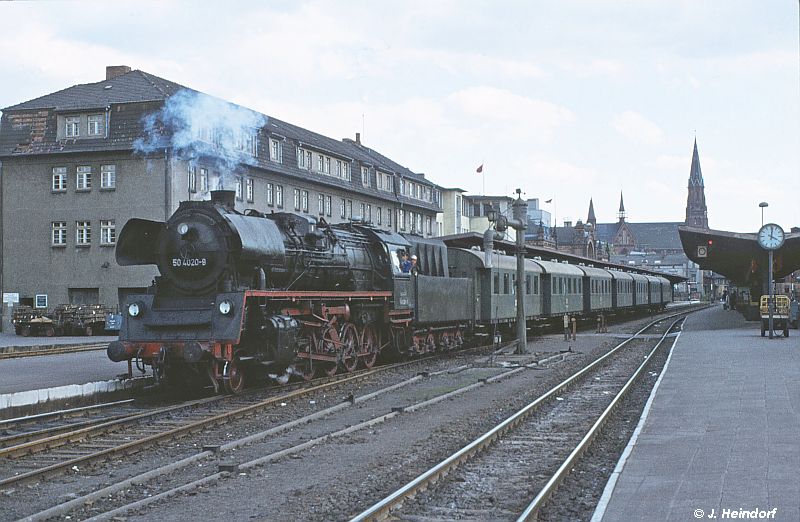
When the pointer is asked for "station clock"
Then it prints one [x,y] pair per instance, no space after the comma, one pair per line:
[771,236]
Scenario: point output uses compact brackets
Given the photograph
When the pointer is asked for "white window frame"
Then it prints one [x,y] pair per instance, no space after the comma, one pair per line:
[346,171]
[238,188]
[108,232]
[309,160]
[342,208]
[270,194]
[203,179]
[59,183]
[297,199]
[320,163]
[249,190]
[365,176]
[72,126]
[108,177]
[279,196]
[304,200]
[58,233]
[301,158]
[276,150]
[83,233]
[83,178]
[363,211]
[339,170]
[327,165]
[328,205]
[96,121]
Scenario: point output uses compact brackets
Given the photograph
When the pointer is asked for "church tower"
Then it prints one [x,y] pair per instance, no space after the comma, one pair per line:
[696,210]
[621,212]
[591,218]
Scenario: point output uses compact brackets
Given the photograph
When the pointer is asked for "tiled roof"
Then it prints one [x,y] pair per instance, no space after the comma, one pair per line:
[135,86]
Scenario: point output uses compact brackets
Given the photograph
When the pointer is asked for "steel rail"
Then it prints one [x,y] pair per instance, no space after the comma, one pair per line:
[532,511]
[55,350]
[381,509]
[60,413]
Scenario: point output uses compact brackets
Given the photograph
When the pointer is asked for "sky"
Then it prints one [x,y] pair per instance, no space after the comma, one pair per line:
[567,100]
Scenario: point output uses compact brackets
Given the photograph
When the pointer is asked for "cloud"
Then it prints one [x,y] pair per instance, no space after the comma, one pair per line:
[637,128]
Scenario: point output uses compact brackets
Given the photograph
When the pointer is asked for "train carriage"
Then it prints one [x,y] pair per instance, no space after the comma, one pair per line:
[641,297]
[562,288]
[623,287]
[494,290]
[597,291]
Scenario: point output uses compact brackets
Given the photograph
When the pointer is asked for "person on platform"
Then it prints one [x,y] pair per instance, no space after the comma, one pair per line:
[733,298]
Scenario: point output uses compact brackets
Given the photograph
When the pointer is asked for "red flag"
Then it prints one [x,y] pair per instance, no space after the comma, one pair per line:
[480,169]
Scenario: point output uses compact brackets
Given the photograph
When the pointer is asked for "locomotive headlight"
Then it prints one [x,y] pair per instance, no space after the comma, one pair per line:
[183,229]
[134,310]
[225,307]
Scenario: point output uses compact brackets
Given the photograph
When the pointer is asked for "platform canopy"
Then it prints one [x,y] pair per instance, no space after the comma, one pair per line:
[738,256]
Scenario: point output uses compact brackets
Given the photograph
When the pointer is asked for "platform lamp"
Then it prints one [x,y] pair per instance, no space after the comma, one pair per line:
[763,205]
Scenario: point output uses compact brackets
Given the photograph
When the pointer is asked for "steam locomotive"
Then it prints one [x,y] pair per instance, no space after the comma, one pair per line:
[286,295]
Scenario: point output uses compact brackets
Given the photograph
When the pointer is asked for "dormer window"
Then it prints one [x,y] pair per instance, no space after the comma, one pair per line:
[73,126]
[94,125]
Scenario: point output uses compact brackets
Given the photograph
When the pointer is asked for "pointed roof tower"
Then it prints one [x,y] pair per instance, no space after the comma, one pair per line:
[621,213]
[591,219]
[696,210]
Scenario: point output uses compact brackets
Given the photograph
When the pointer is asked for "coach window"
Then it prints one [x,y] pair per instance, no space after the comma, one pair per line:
[560,285]
[505,283]
[536,285]
[496,286]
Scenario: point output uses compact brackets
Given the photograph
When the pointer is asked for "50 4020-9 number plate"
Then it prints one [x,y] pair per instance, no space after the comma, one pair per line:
[189,262]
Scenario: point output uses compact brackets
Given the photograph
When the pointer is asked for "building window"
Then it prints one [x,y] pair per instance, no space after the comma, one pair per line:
[363,213]
[279,196]
[321,204]
[203,180]
[276,151]
[339,171]
[379,215]
[59,179]
[108,176]
[309,163]
[349,208]
[346,171]
[270,195]
[328,205]
[369,213]
[239,189]
[73,126]
[83,233]
[247,142]
[249,188]
[327,165]
[301,158]
[84,178]
[59,233]
[320,163]
[108,232]
[94,125]
[297,199]
[389,217]
[343,208]
[365,176]
[192,180]
[304,200]
[428,229]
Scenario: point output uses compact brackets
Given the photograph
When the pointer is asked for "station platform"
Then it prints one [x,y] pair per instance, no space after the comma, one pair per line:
[719,439]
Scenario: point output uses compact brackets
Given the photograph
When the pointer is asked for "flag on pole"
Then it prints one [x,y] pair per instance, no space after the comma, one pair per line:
[549,200]
[480,169]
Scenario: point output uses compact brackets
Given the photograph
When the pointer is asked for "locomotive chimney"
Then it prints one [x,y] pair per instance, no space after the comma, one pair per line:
[226,198]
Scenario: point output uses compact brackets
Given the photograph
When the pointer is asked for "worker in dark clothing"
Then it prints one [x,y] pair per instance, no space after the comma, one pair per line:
[734,298]
[405,264]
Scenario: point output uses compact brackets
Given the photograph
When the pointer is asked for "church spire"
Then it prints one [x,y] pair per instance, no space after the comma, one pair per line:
[621,213]
[591,219]
[696,210]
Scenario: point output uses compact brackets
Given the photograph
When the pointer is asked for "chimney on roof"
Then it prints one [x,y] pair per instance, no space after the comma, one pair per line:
[358,138]
[112,71]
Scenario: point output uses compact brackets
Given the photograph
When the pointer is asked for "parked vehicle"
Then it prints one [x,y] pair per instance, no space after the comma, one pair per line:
[780,314]
[30,321]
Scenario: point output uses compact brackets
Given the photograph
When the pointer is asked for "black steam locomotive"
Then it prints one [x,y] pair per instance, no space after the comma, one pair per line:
[279,291]
[286,295]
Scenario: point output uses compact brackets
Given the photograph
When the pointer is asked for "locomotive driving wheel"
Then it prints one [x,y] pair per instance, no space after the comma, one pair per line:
[348,346]
[329,346]
[307,368]
[233,377]
[370,346]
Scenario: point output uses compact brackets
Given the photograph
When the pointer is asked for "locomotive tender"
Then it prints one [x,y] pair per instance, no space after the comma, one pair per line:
[289,295]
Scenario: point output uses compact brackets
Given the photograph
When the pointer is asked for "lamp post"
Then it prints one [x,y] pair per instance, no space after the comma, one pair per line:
[519,211]
[763,205]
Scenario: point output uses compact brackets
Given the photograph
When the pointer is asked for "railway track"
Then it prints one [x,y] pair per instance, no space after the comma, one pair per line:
[34,351]
[528,454]
[41,446]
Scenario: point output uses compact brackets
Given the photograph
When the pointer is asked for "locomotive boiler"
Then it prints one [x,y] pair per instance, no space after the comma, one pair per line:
[279,290]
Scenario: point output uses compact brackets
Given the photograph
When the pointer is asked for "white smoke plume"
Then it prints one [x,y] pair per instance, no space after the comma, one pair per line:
[197,126]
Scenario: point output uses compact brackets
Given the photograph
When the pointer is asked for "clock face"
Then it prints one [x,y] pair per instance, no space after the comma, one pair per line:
[770,237]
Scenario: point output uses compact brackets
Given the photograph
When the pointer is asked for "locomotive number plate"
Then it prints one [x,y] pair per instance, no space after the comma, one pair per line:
[176,261]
